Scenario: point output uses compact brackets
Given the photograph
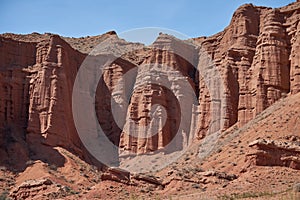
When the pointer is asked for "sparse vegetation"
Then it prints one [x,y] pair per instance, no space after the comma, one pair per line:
[288,194]
[29,162]
[133,197]
[246,195]
[70,191]
[4,195]
[296,187]
[53,167]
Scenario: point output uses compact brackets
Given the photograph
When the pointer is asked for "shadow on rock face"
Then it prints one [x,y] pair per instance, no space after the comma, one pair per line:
[16,151]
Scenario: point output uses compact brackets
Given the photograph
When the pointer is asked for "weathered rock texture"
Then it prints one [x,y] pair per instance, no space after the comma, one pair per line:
[31,189]
[162,79]
[275,153]
[255,59]
[33,76]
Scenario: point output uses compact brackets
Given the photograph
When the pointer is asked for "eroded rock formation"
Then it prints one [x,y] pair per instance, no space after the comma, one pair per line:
[188,87]
[275,153]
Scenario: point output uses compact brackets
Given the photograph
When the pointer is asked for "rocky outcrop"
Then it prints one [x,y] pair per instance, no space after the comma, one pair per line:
[30,189]
[232,52]
[116,174]
[50,84]
[36,100]
[292,27]
[177,89]
[274,153]
[252,54]
[37,80]
[41,189]
[14,93]
[270,73]
[161,80]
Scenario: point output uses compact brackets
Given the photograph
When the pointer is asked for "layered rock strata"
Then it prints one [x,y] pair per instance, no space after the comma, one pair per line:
[188,88]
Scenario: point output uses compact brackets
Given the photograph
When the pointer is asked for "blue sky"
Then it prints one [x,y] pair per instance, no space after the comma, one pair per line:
[76,18]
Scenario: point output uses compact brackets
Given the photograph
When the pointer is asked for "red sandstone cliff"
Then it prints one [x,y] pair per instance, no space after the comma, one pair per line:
[257,57]
[256,53]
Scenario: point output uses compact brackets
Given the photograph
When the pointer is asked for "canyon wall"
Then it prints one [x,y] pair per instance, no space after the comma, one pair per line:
[257,57]
[190,88]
